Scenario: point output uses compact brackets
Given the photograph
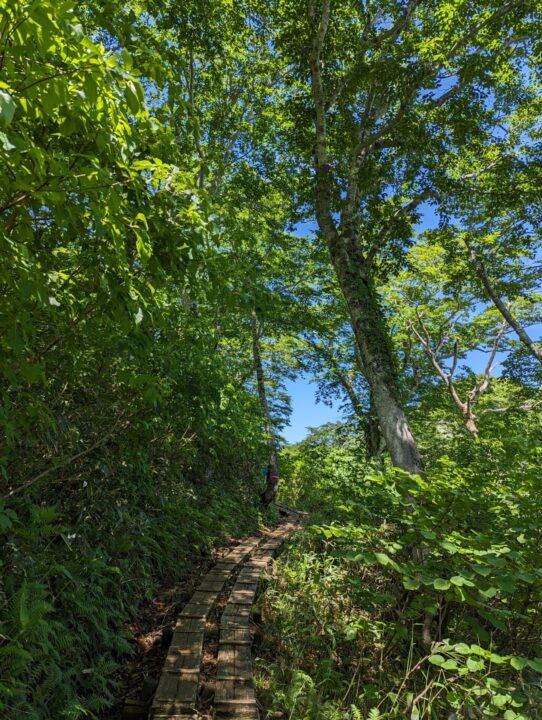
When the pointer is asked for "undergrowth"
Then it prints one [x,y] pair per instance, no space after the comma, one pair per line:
[406,597]
[70,583]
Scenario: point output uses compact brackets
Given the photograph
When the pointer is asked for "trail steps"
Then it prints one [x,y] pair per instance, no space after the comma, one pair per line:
[176,696]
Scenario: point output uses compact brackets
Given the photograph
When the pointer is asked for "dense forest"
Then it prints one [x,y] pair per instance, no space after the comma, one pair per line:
[201,202]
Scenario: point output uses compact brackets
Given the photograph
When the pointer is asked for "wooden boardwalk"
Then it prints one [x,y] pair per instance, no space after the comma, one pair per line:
[176,696]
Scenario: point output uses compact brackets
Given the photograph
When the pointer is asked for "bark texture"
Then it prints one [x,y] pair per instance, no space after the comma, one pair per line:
[353,271]
[375,350]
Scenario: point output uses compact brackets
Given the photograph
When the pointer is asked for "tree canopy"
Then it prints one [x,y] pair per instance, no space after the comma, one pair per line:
[203,200]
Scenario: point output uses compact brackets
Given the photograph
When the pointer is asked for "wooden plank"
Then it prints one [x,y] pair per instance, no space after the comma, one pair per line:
[176,689]
[211,585]
[258,563]
[166,690]
[185,653]
[176,694]
[195,610]
[243,711]
[204,597]
[243,596]
[243,584]
[233,622]
[238,692]
[217,575]
[249,574]
[236,610]
[226,565]
[189,625]
[272,543]
[235,636]
[234,663]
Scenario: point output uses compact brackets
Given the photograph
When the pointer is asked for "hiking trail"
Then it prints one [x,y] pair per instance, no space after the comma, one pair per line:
[226,593]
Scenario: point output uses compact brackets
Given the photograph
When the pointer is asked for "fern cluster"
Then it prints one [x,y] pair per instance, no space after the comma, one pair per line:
[69,585]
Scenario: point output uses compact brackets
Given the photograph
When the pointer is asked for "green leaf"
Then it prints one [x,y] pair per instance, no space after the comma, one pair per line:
[132,97]
[143,248]
[428,534]
[460,581]
[441,584]
[497,659]
[7,108]
[5,142]
[475,665]
[451,547]
[410,583]
[462,648]
[382,558]
[518,662]
[489,593]
[500,700]
[449,665]
[535,664]
[24,616]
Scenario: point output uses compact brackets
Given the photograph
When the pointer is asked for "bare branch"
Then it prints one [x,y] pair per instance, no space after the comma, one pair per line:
[483,384]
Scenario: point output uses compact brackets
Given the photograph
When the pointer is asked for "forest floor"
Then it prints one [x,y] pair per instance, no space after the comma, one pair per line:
[152,630]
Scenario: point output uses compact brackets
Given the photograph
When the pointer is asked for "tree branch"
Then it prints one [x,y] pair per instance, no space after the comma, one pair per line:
[479,266]
[322,168]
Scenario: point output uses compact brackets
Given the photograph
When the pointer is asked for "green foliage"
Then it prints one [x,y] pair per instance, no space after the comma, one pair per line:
[132,439]
[155,163]
[68,590]
[409,596]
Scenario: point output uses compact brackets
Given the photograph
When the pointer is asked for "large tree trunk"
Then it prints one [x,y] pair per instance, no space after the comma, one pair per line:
[374,346]
[353,272]
[272,475]
[373,436]
[368,420]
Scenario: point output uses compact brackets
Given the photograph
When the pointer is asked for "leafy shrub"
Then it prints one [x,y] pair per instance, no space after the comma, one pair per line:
[407,596]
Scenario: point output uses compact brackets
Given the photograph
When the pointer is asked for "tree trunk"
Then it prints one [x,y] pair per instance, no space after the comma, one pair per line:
[353,272]
[374,346]
[272,475]
[373,436]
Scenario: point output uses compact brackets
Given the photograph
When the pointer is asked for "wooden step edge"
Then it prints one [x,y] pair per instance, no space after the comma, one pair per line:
[234,642]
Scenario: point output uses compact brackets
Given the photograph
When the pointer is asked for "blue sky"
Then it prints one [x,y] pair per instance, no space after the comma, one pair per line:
[306,412]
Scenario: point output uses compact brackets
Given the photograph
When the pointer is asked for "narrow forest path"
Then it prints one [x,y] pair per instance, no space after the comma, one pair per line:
[208,668]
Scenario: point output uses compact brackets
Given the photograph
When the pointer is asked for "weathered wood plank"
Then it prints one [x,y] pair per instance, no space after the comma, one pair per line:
[184,653]
[235,636]
[243,596]
[189,624]
[195,610]
[176,695]
[204,597]
[212,585]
